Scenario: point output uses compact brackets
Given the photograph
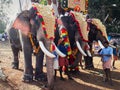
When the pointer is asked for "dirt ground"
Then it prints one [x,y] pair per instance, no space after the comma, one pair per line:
[86,79]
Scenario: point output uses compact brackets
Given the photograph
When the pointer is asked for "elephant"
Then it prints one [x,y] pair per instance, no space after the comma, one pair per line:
[97,32]
[74,33]
[29,35]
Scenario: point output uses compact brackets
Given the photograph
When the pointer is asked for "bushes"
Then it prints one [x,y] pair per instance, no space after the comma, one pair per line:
[1,31]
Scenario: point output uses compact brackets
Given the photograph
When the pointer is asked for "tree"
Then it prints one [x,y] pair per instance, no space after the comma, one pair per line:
[3,5]
[107,11]
[44,2]
[3,17]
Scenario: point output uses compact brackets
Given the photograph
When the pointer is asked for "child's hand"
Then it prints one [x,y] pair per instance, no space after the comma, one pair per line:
[59,41]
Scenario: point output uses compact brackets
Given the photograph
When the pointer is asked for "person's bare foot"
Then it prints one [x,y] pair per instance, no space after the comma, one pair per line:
[114,68]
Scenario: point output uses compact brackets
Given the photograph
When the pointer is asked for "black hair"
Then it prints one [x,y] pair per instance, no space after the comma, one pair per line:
[115,44]
[106,42]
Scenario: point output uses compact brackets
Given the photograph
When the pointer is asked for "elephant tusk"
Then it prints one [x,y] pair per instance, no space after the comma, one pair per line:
[112,46]
[100,43]
[89,54]
[80,49]
[58,51]
[46,52]
[88,51]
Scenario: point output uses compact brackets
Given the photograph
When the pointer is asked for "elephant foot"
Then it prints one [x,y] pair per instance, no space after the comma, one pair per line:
[89,67]
[41,77]
[44,87]
[61,78]
[15,65]
[27,78]
[47,88]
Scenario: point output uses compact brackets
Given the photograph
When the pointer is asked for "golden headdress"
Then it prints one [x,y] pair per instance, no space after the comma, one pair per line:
[100,26]
[48,17]
[82,24]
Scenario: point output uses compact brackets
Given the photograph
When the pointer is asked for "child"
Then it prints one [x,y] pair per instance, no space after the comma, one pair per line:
[63,61]
[106,54]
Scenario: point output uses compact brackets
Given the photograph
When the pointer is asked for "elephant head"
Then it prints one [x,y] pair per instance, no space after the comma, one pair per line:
[28,21]
[82,31]
[97,31]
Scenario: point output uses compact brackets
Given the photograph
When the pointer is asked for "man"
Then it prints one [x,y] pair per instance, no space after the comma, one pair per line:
[106,54]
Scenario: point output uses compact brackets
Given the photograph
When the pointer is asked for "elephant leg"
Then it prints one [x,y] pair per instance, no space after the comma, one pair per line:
[27,50]
[15,63]
[39,75]
[88,62]
[77,60]
[15,46]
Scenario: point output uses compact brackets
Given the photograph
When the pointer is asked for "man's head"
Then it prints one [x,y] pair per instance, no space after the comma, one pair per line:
[106,44]
[115,44]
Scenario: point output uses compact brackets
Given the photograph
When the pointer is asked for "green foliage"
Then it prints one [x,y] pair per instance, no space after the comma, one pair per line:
[3,18]
[2,26]
[44,2]
[101,8]
[4,3]
[1,31]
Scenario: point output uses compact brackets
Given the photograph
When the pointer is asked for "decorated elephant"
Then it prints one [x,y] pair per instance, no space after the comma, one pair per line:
[97,32]
[76,26]
[33,32]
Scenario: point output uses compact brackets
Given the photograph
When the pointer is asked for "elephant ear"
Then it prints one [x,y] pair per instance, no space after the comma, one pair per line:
[22,25]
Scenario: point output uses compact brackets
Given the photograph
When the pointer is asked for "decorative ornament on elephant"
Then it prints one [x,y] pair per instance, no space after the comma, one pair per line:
[97,30]
[73,4]
[38,22]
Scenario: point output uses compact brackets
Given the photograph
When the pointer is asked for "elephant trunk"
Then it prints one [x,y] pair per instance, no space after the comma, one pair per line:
[50,68]
[100,44]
